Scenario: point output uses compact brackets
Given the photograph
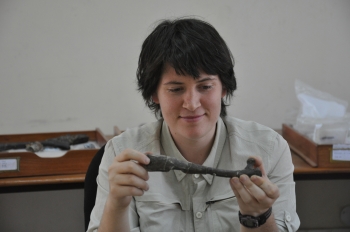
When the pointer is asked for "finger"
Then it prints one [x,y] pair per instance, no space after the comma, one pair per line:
[252,188]
[129,167]
[130,154]
[270,189]
[240,191]
[258,194]
[259,164]
[130,191]
[233,182]
[131,181]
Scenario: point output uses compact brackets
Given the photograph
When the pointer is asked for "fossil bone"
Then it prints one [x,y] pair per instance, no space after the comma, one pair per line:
[160,163]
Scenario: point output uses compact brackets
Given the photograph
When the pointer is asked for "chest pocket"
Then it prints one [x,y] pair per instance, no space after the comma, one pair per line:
[223,213]
[159,213]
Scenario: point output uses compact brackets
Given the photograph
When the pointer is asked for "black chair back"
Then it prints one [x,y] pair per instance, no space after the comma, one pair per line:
[90,185]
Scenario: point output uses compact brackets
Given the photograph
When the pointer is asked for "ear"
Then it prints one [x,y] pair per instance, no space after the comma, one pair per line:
[155,98]
[224,92]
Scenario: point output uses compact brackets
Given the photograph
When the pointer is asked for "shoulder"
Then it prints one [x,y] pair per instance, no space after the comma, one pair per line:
[241,127]
[138,138]
[252,133]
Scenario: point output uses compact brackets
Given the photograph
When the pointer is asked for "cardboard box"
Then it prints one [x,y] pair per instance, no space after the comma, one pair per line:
[28,164]
[316,155]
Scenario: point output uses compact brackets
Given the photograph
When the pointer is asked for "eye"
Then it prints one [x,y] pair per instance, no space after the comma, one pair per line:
[206,87]
[175,90]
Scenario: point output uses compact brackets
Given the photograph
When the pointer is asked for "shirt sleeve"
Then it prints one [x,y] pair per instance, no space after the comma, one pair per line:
[103,190]
[280,172]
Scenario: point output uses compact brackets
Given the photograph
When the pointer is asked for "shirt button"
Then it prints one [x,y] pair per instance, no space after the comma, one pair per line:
[196,176]
[199,215]
[288,218]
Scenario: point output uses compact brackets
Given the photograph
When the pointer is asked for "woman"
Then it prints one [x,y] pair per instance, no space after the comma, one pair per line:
[185,74]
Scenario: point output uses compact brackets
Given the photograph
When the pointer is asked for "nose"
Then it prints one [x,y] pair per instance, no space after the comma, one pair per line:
[191,100]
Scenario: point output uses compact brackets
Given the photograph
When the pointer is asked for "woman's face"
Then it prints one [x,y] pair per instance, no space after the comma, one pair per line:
[190,107]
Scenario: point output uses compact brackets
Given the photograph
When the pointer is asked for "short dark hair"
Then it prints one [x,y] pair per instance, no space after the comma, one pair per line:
[189,45]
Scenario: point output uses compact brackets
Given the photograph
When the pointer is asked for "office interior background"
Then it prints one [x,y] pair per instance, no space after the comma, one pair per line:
[70,65]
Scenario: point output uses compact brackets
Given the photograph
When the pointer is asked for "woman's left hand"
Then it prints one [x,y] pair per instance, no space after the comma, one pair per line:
[255,195]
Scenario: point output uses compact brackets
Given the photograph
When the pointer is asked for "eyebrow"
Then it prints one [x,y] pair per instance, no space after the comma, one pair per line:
[199,81]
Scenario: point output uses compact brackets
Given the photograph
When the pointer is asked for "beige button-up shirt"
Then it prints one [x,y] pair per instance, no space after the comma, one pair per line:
[177,201]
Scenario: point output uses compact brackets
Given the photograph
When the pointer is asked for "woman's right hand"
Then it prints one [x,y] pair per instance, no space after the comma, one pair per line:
[127,178]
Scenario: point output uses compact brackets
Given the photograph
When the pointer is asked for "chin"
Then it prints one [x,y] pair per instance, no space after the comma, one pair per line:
[195,134]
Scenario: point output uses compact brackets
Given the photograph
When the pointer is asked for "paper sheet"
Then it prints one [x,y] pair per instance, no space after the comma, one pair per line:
[341,152]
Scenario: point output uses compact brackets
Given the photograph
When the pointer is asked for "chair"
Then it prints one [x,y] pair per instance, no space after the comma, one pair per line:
[90,185]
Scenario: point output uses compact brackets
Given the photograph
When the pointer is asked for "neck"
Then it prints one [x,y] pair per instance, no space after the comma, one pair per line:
[196,151]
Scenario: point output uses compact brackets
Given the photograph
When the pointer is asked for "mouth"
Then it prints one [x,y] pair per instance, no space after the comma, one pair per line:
[192,118]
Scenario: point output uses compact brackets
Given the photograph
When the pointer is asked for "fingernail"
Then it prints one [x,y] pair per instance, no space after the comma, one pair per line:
[147,160]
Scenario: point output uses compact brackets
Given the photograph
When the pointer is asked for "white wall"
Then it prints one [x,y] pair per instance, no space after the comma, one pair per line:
[70,65]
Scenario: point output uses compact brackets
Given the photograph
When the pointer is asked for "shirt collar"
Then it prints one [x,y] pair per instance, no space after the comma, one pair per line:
[214,155]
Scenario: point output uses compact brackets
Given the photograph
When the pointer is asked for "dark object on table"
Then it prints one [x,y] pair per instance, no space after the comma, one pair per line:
[90,185]
[71,139]
[164,164]
[63,142]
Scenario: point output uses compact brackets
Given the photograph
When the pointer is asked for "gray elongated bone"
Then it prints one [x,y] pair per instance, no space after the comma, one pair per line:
[63,142]
[162,163]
